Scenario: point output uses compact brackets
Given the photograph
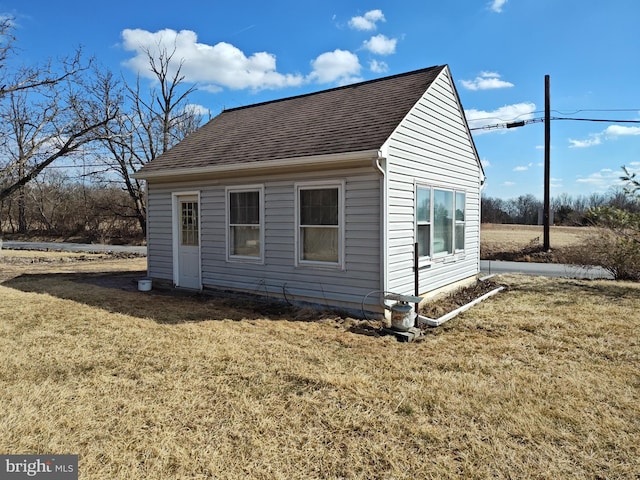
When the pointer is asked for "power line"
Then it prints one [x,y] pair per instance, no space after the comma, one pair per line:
[513,119]
[522,123]
[598,110]
[595,120]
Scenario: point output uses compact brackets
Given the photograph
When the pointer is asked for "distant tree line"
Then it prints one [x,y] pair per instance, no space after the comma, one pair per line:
[55,206]
[567,210]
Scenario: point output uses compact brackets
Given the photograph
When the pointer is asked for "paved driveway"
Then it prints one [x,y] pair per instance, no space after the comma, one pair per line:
[486,266]
[73,247]
[544,269]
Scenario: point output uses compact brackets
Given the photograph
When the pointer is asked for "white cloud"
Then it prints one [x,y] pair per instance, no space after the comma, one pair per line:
[602,179]
[485,163]
[378,66]
[612,132]
[504,114]
[508,184]
[381,45]
[220,65]
[496,5]
[198,109]
[338,66]
[368,21]
[589,142]
[486,81]
[523,168]
[619,131]
[555,182]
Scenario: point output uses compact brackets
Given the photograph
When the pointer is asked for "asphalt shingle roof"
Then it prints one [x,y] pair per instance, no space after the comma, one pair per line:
[352,118]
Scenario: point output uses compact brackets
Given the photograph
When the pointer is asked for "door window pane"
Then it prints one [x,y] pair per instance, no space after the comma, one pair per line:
[189,223]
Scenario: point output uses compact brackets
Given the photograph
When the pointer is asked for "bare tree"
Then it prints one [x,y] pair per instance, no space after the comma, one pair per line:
[633,183]
[153,123]
[46,115]
[29,77]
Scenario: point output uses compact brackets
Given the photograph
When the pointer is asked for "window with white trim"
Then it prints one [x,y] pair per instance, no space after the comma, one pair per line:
[244,214]
[319,224]
[440,221]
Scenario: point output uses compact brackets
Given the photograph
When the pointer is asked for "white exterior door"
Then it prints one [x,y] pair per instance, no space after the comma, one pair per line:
[187,242]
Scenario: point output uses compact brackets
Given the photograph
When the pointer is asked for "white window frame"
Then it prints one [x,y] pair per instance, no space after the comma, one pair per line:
[318,185]
[425,259]
[241,189]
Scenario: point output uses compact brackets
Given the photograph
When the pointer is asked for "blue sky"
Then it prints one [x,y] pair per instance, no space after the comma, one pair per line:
[239,53]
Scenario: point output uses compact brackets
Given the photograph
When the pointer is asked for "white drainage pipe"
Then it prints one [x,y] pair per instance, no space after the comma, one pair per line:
[436,322]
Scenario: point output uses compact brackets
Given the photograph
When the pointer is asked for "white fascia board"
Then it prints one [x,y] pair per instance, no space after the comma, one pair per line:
[315,160]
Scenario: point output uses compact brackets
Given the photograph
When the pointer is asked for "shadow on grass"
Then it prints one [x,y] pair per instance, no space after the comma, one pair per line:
[117,292]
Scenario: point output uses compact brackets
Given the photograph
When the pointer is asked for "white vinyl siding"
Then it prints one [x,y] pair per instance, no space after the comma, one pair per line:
[159,238]
[432,147]
[280,275]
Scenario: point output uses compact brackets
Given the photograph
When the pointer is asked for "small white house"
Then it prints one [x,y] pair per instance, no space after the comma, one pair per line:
[320,198]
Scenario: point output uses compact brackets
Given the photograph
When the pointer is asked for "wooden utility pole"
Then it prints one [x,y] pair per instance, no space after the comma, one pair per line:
[546,214]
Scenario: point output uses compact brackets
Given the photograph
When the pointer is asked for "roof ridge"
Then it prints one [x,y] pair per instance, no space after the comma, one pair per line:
[342,87]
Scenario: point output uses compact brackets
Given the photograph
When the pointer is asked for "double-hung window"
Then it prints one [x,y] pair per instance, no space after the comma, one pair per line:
[440,221]
[319,224]
[245,223]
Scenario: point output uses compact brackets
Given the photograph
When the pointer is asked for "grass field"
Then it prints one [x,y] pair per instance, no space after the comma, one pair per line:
[523,242]
[540,381]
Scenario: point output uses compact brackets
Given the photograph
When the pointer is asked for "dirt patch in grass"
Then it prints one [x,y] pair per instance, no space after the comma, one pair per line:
[447,303]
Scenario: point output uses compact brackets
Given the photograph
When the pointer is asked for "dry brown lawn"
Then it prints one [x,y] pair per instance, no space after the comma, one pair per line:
[517,242]
[541,381]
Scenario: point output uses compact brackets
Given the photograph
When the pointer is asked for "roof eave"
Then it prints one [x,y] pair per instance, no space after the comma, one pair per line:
[312,161]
